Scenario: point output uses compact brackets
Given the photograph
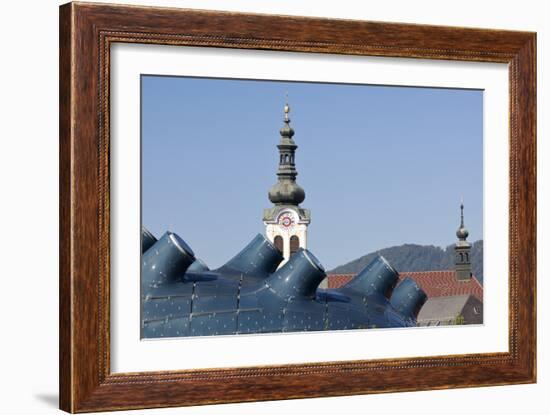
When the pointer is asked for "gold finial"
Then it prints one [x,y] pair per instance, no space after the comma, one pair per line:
[287,107]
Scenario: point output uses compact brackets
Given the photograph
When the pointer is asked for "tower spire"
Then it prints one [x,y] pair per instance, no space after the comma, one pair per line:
[286,191]
[286,222]
[286,108]
[463,267]
[462,212]
[462,233]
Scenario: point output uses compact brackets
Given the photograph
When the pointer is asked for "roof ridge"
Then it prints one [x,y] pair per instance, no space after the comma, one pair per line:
[405,273]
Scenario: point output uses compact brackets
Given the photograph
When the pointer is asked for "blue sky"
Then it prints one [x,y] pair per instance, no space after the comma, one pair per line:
[381,165]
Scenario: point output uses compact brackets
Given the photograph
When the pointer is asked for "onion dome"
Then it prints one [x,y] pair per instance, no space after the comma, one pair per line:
[287,193]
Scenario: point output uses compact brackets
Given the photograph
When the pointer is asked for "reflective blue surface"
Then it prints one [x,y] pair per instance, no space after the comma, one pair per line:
[180,296]
[408,298]
[147,240]
[257,260]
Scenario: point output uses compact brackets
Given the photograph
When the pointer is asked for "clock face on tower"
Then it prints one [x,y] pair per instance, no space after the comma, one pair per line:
[286,221]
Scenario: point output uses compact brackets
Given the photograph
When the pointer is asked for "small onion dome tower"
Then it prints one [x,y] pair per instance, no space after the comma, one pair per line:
[463,266]
[286,222]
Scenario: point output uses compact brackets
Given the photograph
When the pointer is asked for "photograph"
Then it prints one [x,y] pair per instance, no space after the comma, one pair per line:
[279,206]
[324,205]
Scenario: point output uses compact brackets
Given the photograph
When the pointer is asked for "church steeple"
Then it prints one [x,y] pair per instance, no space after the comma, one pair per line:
[462,233]
[463,267]
[286,191]
[286,222]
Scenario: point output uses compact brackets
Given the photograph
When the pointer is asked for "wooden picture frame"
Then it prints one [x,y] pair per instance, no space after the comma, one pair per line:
[86,33]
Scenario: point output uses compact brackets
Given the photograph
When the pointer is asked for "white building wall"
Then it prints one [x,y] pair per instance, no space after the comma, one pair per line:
[299,229]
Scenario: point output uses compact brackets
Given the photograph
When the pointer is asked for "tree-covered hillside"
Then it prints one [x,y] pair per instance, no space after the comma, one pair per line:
[411,257]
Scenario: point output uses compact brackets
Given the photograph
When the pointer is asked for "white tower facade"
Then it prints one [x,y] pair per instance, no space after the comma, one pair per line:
[286,222]
[287,229]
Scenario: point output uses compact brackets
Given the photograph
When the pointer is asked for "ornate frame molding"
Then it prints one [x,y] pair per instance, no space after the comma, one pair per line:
[86,33]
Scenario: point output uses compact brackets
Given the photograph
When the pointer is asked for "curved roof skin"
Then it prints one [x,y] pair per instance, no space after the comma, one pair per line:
[180,296]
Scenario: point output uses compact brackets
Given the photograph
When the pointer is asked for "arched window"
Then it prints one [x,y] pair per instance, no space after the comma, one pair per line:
[278,242]
[461,257]
[466,255]
[294,244]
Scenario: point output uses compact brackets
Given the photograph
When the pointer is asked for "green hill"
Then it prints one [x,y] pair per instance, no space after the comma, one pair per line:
[411,257]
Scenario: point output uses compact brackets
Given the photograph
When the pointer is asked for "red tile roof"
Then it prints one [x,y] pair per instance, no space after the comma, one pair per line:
[434,283]
[337,280]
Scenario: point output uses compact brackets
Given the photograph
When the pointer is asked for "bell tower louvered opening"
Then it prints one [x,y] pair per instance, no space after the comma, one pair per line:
[294,244]
[278,242]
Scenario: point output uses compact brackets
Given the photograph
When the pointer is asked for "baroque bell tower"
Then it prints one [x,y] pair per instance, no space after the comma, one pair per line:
[286,222]
[463,266]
